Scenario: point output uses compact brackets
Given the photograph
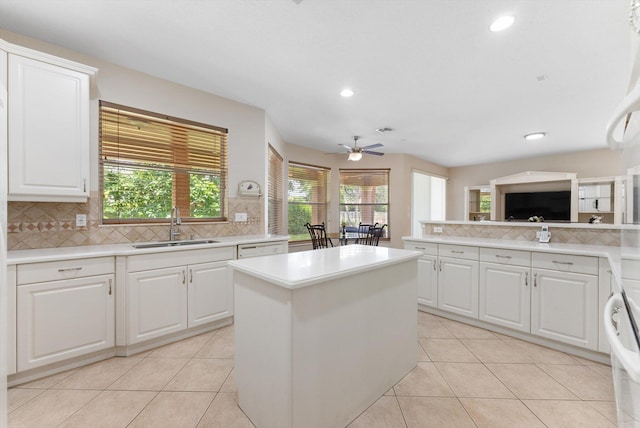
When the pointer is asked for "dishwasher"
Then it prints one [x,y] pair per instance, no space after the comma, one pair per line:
[263,249]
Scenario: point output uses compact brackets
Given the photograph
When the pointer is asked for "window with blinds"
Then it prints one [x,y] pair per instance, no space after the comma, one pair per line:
[308,198]
[364,197]
[275,191]
[151,162]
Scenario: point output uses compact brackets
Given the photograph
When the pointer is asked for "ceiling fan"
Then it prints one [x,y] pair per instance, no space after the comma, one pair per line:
[355,152]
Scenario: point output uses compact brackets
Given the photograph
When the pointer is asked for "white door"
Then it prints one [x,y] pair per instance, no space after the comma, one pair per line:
[564,307]
[48,130]
[210,293]
[428,280]
[59,320]
[157,303]
[458,286]
[504,296]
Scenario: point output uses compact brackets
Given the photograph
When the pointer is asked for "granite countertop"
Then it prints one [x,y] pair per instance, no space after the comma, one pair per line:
[86,251]
[301,269]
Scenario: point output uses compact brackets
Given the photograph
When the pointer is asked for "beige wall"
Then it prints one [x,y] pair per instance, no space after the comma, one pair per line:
[587,164]
[401,167]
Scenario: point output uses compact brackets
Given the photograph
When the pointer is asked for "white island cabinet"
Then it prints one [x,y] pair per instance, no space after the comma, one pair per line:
[320,335]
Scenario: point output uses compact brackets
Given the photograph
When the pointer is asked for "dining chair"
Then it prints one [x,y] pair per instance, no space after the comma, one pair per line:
[375,233]
[364,233]
[319,238]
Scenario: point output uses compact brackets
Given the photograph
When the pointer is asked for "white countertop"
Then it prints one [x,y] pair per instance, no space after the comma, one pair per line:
[85,251]
[301,269]
[537,225]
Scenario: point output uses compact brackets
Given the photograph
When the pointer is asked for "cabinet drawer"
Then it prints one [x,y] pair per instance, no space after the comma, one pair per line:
[64,269]
[506,257]
[565,263]
[427,248]
[458,251]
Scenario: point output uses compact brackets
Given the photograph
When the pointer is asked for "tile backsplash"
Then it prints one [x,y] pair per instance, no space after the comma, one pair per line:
[51,224]
[559,234]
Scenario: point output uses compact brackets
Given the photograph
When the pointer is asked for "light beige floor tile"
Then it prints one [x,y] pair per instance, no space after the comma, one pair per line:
[151,374]
[582,381]
[495,351]
[50,408]
[229,384]
[98,375]
[425,316]
[225,413]
[186,348]
[541,354]
[434,412]
[219,346]
[607,409]
[423,380]
[49,381]
[465,331]
[472,380]
[451,350]
[384,413]
[174,410]
[435,329]
[390,392]
[567,414]
[110,409]
[602,370]
[492,413]
[16,397]
[201,375]
[143,354]
[527,381]
[422,356]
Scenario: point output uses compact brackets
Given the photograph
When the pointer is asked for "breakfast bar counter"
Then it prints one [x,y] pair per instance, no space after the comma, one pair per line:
[322,334]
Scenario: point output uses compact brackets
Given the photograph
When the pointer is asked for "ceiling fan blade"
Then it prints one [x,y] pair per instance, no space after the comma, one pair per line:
[373,153]
[373,146]
[346,147]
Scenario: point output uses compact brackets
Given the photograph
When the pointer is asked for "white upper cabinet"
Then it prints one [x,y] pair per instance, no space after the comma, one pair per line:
[49,128]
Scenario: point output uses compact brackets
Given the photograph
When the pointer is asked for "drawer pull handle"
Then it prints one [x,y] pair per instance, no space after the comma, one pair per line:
[190,276]
[434,264]
[184,277]
[562,263]
[457,252]
[249,248]
[440,265]
[420,248]
[70,269]
[526,279]
[110,284]
[502,257]
[535,279]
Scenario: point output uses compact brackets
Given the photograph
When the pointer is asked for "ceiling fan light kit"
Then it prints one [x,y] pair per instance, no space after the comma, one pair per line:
[355,152]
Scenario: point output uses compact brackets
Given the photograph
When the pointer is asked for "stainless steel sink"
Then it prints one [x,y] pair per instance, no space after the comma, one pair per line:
[175,243]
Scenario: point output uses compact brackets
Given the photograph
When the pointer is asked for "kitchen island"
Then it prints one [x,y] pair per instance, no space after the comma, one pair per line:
[322,334]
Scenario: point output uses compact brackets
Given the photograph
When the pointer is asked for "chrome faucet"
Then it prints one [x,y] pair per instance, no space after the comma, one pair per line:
[175,222]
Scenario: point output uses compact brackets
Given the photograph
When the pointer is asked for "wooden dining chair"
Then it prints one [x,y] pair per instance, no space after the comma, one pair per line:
[319,238]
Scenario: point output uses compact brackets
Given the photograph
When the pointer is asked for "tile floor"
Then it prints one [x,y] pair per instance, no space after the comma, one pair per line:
[465,377]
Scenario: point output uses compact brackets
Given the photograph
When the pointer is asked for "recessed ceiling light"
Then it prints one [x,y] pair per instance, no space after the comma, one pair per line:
[347,92]
[535,136]
[502,23]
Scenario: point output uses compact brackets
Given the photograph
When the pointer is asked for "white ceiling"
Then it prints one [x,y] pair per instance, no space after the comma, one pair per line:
[454,93]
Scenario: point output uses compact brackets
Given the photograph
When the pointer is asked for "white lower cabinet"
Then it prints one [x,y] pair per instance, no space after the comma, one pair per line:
[458,286]
[207,300]
[504,295]
[564,307]
[166,296]
[427,272]
[157,303]
[59,320]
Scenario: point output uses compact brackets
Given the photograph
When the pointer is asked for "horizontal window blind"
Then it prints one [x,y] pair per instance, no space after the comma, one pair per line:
[275,192]
[308,197]
[364,197]
[133,136]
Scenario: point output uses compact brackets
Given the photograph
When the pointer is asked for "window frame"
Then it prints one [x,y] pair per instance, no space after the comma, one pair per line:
[325,189]
[275,192]
[182,168]
[368,172]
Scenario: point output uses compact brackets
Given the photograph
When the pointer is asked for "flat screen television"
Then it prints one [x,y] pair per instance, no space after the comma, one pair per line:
[553,206]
